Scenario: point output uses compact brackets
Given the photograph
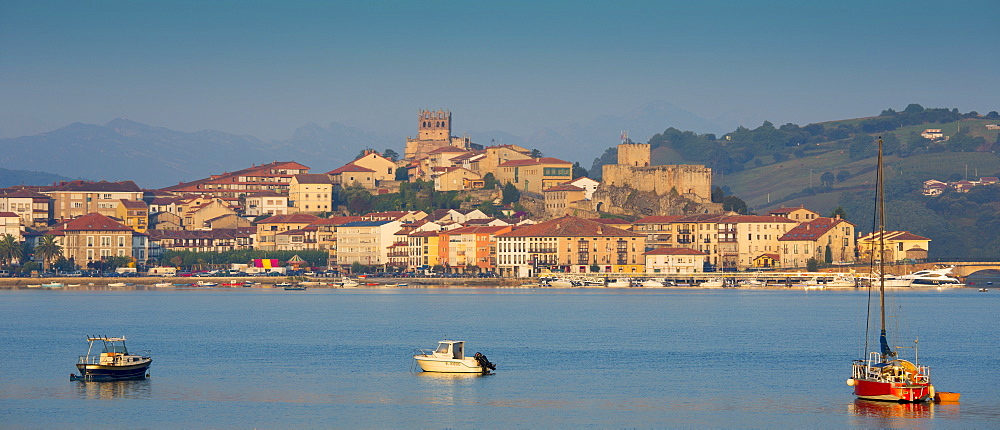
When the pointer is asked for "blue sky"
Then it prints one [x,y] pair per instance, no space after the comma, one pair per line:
[265,68]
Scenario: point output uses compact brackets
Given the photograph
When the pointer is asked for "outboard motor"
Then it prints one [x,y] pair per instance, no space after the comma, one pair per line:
[484,362]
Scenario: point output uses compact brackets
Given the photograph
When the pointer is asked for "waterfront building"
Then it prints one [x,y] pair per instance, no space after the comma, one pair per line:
[365,242]
[93,237]
[268,228]
[469,249]
[899,246]
[77,198]
[659,230]
[829,240]
[674,261]
[423,249]
[571,245]
[218,240]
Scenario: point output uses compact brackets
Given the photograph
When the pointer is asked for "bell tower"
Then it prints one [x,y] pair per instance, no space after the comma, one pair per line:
[434,125]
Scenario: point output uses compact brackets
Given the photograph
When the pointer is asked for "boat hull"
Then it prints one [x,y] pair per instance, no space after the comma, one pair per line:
[99,372]
[432,364]
[892,391]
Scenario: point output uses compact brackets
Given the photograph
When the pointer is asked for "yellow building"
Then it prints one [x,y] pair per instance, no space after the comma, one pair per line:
[134,214]
[352,174]
[535,174]
[383,169]
[424,247]
[899,245]
[817,239]
[457,179]
[559,198]
[270,227]
[799,214]
[572,245]
[311,193]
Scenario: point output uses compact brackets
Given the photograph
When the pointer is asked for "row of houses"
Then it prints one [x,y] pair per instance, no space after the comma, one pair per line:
[934,187]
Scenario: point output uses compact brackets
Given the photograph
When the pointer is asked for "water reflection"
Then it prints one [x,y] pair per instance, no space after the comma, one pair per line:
[896,415]
[140,389]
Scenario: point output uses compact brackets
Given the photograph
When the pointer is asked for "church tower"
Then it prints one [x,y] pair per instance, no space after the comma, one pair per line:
[434,125]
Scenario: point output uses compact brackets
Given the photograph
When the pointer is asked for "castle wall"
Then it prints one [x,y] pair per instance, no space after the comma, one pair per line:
[693,181]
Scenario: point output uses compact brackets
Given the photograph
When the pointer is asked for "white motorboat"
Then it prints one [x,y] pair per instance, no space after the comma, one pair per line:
[163,285]
[449,357]
[348,283]
[842,281]
[933,277]
[207,284]
[652,283]
[712,283]
[619,283]
[752,283]
[562,283]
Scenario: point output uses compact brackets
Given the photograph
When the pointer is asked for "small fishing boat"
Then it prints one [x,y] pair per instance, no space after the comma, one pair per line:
[883,375]
[449,357]
[163,285]
[206,284]
[116,284]
[294,287]
[114,363]
[983,290]
[652,283]
[52,285]
[282,285]
[348,282]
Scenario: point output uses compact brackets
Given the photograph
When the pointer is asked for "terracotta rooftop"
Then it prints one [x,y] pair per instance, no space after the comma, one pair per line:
[534,161]
[94,222]
[570,226]
[657,219]
[313,178]
[102,186]
[133,204]
[674,251]
[349,167]
[564,187]
[812,230]
[290,219]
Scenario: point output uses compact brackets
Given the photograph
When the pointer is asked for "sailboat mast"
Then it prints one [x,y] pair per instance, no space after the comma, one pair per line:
[880,184]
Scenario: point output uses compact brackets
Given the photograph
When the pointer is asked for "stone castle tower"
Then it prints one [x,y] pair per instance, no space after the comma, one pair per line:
[433,132]
[633,154]
[434,125]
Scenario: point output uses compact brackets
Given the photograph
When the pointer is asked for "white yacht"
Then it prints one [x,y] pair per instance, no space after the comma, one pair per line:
[653,283]
[562,283]
[933,277]
[449,357]
[712,283]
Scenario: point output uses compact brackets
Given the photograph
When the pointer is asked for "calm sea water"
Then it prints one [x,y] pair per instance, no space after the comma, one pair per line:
[242,358]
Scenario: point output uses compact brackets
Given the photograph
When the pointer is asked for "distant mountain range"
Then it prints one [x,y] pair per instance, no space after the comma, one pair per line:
[156,157]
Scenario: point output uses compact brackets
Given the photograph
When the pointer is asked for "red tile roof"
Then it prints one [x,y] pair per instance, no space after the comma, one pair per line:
[674,251]
[812,230]
[349,167]
[289,219]
[570,226]
[8,215]
[313,178]
[133,204]
[94,222]
[102,186]
[534,161]
[564,187]
[658,219]
[444,149]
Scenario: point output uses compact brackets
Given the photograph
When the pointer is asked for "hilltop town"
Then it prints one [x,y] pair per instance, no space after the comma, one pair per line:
[447,205]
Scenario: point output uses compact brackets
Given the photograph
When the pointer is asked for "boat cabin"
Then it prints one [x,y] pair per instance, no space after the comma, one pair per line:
[454,349]
[114,349]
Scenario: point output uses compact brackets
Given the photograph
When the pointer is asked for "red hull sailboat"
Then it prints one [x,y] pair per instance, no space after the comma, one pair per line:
[882,375]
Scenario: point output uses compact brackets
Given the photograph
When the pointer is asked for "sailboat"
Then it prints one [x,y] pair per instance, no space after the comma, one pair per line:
[881,374]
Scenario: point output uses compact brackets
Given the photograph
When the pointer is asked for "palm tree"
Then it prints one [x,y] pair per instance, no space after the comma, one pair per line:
[48,249]
[10,249]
